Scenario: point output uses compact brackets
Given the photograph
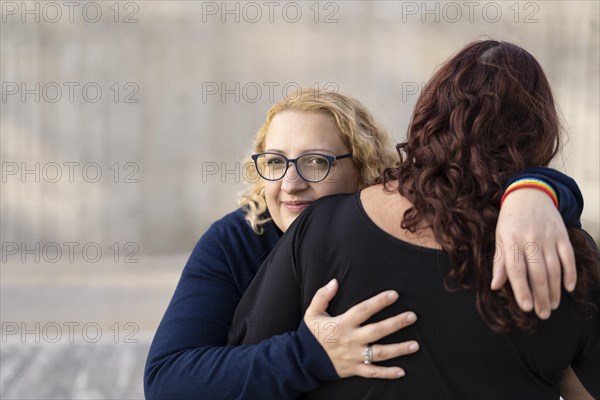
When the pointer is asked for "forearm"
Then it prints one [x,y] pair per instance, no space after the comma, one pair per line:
[282,367]
[572,388]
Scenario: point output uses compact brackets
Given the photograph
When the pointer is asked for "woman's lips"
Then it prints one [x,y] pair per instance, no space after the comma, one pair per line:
[296,206]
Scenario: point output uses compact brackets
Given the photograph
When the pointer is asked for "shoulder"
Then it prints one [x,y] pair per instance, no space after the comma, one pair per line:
[234,235]
[230,223]
[234,227]
[328,211]
[231,247]
[326,204]
[233,220]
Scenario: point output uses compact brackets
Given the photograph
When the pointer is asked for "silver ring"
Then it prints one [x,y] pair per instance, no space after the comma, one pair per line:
[368,355]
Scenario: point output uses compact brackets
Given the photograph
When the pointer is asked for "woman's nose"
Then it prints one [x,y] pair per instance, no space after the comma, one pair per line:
[292,181]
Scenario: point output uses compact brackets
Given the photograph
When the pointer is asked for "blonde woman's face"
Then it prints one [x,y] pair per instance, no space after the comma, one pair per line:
[292,134]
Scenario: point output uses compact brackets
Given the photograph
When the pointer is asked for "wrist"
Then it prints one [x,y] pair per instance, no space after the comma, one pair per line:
[532,183]
[316,358]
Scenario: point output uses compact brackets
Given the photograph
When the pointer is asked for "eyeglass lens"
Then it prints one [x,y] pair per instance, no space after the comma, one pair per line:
[312,167]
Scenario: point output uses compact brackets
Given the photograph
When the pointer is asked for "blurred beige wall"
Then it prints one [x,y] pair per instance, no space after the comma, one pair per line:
[165,101]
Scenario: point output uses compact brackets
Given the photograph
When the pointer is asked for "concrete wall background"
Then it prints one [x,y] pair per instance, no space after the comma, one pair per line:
[178,133]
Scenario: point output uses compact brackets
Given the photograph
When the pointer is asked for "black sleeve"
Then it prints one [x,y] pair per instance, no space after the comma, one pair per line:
[587,364]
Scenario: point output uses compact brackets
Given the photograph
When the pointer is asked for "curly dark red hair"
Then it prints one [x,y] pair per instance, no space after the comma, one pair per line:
[485,115]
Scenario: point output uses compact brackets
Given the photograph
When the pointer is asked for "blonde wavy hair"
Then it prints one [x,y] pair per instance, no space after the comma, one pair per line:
[369,143]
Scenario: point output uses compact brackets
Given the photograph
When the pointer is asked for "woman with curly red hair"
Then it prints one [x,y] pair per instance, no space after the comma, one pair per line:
[427,233]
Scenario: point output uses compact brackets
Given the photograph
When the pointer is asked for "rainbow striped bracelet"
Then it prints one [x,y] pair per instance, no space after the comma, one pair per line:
[531,183]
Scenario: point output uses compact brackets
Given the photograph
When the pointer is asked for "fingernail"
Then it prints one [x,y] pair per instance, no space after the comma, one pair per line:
[413,346]
[555,305]
[411,317]
[571,286]
[331,284]
[544,314]
[392,295]
[400,374]
[527,305]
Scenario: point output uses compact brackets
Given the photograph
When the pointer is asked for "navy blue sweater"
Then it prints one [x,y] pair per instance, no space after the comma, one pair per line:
[189,358]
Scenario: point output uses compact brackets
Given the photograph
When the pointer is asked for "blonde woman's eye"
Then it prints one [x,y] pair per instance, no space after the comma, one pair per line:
[275,161]
[317,162]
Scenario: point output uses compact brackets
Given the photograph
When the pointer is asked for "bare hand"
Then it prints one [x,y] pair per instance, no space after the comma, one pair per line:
[344,339]
[531,244]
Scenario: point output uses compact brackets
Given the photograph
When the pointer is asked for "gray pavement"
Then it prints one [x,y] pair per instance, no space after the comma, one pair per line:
[80,330]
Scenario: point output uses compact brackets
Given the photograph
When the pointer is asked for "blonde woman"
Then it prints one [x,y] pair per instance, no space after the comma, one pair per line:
[312,144]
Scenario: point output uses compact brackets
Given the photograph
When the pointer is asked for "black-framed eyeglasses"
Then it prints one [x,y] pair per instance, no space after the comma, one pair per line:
[312,167]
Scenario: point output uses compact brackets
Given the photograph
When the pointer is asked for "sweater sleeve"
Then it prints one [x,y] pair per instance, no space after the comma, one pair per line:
[570,199]
[189,359]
